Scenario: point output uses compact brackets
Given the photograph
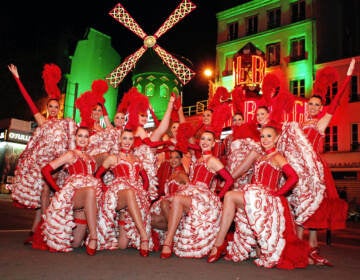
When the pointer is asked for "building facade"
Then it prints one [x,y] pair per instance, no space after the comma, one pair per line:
[298,37]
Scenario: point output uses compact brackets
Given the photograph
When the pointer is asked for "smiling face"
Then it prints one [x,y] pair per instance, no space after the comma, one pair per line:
[126,140]
[53,108]
[268,138]
[237,120]
[173,129]
[262,115]
[207,141]
[143,119]
[206,117]
[175,159]
[314,106]
[119,119]
[82,137]
[97,113]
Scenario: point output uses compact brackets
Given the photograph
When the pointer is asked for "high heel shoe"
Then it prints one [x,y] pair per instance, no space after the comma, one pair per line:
[166,255]
[144,252]
[220,251]
[91,251]
[317,259]
[29,239]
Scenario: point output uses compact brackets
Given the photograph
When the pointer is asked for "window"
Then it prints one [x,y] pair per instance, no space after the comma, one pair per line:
[354,95]
[298,11]
[331,92]
[251,25]
[228,66]
[331,139]
[297,87]
[233,31]
[164,91]
[149,89]
[355,131]
[297,51]
[273,54]
[273,18]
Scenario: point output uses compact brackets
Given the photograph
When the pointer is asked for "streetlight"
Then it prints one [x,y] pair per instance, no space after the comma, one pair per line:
[208,73]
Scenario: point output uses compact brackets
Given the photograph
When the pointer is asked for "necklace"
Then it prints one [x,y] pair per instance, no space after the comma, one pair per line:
[270,151]
[125,151]
[81,149]
[204,153]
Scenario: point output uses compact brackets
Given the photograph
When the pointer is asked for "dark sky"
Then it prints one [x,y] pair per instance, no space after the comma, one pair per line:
[33,34]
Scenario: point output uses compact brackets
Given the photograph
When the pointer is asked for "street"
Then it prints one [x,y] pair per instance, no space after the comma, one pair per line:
[18,261]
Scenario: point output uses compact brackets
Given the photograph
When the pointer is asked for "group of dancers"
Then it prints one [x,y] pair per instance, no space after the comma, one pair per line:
[179,188]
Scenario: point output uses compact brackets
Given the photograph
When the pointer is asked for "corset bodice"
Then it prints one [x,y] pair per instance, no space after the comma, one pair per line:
[82,166]
[126,169]
[266,174]
[201,173]
[313,135]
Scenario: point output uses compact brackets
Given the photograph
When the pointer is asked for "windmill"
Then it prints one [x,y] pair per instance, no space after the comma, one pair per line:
[181,71]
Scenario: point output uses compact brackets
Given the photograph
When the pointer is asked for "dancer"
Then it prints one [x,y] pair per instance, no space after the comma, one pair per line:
[137,106]
[176,180]
[52,137]
[269,222]
[74,207]
[124,219]
[194,216]
[329,211]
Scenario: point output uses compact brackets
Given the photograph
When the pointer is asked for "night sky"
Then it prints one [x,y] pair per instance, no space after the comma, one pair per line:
[33,34]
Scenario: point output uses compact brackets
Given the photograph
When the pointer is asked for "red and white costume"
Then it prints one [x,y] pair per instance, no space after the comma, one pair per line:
[238,150]
[48,142]
[147,156]
[59,216]
[332,211]
[270,224]
[198,228]
[126,176]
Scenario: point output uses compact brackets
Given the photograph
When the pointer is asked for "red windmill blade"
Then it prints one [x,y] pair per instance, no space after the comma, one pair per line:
[181,71]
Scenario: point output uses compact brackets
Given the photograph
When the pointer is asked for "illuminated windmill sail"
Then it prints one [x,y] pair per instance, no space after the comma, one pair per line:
[182,72]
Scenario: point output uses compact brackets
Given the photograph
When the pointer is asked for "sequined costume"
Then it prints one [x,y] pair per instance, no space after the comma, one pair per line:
[237,151]
[126,176]
[198,228]
[147,156]
[270,224]
[48,142]
[332,211]
[59,216]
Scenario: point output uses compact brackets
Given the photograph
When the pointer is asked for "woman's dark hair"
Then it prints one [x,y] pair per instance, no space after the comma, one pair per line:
[179,153]
[318,97]
[209,131]
[263,107]
[127,130]
[82,127]
[210,110]
[239,113]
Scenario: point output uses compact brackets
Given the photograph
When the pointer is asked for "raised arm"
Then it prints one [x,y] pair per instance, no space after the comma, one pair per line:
[35,111]
[335,102]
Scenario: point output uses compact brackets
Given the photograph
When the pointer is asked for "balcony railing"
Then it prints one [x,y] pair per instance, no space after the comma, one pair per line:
[199,107]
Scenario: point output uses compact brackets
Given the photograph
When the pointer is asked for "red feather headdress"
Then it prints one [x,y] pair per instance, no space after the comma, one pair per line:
[324,78]
[90,99]
[51,76]
[134,103]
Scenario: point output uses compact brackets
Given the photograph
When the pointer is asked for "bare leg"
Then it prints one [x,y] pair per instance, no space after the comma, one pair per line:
[161,221]
[79,232]
[86,198]
[313,242]
[179,205]
[127,198]
[300,232]
[37,219]
[232,200]
[122,239]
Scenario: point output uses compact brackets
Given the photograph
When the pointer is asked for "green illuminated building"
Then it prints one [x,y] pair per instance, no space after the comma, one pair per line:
[94,59]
